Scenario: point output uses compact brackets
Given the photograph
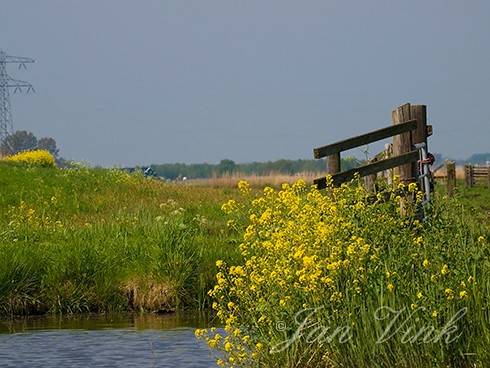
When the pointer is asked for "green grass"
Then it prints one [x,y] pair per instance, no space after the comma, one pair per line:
[476,199]
[96,240]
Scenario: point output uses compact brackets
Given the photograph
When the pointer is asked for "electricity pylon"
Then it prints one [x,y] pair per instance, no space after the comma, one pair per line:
[6,84]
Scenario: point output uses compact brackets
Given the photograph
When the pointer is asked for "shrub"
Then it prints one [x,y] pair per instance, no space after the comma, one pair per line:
[36,157]
[341,279]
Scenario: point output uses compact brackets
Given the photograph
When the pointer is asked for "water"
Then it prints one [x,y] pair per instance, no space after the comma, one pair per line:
[101,341]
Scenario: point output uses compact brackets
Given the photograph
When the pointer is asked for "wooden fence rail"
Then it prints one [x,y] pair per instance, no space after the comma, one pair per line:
[369,169]
[364,139]
[477,175]
[409,128]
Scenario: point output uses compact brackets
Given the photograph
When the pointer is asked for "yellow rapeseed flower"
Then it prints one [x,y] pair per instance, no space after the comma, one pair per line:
[244,187]
[308,261]
[199,332]
[36,157]
[412,187]
[444,270]
[449,293]
[228,346]
[302,248]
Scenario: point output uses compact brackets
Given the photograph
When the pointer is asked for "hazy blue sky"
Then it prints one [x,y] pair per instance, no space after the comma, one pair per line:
[122,82]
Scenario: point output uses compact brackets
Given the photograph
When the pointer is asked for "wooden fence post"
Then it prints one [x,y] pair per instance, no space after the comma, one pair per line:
[388,152]
[333,163]
[419,113]
[451,177]
[402,143]
[370,183]
[468,175]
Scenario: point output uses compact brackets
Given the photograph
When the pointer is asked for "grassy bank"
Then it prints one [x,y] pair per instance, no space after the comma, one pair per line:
[99,240]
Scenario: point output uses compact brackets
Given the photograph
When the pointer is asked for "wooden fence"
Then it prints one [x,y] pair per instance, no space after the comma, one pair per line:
[477,175]
[409,127]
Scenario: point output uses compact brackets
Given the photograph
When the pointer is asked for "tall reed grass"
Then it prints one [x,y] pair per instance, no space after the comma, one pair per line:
[257,181]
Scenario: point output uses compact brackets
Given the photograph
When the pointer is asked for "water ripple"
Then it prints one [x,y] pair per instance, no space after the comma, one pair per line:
[104,348]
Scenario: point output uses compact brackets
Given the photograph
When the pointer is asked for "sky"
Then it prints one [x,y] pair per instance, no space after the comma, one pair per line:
[124,82]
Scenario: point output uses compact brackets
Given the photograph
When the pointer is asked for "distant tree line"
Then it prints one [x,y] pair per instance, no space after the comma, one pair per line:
[229,167]
[479,158]
[475,159]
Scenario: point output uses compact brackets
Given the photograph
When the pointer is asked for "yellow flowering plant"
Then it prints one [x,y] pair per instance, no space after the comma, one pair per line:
[36,157]
[321,272]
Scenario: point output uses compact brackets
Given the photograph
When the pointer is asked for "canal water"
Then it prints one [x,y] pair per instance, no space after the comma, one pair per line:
[105,341]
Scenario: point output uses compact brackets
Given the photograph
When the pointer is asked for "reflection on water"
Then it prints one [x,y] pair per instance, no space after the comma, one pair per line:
[98,322]
[104,341]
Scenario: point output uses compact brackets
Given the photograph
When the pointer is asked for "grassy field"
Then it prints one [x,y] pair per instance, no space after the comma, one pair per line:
[475,199]
[100,240]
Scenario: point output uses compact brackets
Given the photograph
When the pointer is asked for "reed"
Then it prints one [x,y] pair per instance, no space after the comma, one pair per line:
[256,181]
